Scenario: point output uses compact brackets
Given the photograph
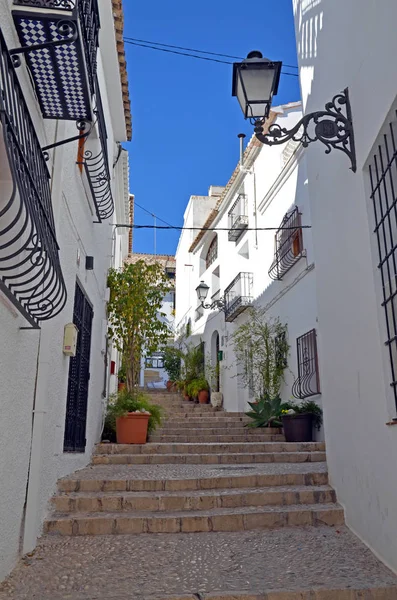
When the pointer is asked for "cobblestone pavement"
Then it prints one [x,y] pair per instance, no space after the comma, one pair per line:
[167,471]
[144,567]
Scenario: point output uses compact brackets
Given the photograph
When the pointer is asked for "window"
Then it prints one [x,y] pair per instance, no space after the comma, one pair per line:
[212,253]
[154,362]
[288,245]
[308,382]
[383,180]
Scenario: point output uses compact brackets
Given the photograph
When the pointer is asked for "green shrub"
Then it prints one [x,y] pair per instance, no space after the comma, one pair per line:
[172,363]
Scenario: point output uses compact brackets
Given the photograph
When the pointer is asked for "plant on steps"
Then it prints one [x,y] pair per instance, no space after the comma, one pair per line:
[265,413]
[261,349]
[172,363]
[134,311]
[198,388]
[298,420]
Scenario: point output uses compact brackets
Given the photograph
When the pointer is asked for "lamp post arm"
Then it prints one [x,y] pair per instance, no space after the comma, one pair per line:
[330,126]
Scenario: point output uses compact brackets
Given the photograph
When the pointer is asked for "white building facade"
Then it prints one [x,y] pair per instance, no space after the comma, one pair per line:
[353,46]
[57,204]
[269,264]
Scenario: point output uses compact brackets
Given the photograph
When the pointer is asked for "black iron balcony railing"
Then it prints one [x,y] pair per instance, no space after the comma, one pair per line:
[30,271]
[60,49]
[96,165]
[238,295]
[288,245]
[238,218]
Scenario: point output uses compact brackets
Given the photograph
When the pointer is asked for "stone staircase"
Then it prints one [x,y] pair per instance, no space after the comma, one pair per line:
[225,513]
[202,471]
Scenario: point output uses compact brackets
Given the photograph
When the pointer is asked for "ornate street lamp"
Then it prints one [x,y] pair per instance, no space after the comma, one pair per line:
[255,82]
[202,292]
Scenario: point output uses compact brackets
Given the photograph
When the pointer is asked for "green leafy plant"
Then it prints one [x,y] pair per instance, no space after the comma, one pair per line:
[121,375]
[124,402]
[172,362]
[308,406]
[212,372]
[195,386]
[261,349]
[134,311]
[266,412]
[193,362]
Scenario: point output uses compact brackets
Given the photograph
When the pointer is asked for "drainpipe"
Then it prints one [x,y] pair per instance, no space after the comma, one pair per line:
[255,208]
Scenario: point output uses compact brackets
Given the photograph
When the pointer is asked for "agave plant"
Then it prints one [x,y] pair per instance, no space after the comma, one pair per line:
[266,412]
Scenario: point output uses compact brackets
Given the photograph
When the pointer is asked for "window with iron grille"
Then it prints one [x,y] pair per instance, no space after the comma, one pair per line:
[288,244]
[308,382]
[212,253]
[383,179]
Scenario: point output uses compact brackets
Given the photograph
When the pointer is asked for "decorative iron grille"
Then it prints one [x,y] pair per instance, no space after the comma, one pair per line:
[238,295]
[288,245]
[96,166]
[212,253]
[308,382]
[383,178]
[30,271]
[238,218]
[79,376]
[90,25]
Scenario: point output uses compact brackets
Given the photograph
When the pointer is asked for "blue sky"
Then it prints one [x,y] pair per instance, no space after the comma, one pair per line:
[185,121]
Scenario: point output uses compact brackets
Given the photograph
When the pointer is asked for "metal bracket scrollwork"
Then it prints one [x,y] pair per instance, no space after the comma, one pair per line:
[330,126]
[220,304]
[85,126]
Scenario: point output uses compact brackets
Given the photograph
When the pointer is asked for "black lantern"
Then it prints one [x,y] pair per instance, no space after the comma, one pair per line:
[255,82]
[202,291]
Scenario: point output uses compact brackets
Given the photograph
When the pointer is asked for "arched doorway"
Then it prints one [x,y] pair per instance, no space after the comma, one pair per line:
[215,361]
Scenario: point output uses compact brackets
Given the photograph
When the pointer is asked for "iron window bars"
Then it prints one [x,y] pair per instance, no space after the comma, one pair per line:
[30,270]
[288,245]
[60,49]
[238,296]
[238,218]
[383,178]
[308,382]
[212,253]
[96,166]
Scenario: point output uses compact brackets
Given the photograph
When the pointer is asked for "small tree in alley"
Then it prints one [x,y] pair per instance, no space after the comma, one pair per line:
[134,311]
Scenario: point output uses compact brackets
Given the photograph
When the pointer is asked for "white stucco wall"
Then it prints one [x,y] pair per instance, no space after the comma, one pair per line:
[352,45]
[23,363]
[274,189]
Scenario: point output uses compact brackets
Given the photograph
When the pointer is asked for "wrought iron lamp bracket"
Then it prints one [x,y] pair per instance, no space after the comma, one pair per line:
[86,126]
[330,126]
[65,28]
[220,304]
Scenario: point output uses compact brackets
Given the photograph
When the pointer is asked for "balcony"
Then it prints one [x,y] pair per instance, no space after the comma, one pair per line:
[59,39]
[95,163]
[238,296]
[238,218]
[288,245]
[30,271]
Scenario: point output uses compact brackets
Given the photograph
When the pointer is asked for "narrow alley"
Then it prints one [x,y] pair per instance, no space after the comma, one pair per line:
[207,510]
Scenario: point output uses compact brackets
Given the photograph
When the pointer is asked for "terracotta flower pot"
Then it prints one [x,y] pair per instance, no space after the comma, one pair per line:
[121,386]
[203,396]
[132,428]
[169,385]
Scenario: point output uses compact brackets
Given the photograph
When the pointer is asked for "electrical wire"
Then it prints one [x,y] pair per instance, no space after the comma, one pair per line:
[217,60]
[193,50]
[182,228]
[151,214]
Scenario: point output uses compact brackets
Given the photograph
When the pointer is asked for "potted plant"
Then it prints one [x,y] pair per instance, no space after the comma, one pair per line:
[199,388]
[121,376]
[298,421]
[132,417]
[172,365]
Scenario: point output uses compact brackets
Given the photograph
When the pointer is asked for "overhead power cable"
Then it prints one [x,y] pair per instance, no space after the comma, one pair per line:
[193,50]
[182,228]
[151,214]
[217,60]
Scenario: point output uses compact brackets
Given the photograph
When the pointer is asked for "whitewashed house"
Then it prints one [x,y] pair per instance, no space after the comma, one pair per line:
[58,200]
[245,265]
[353,45]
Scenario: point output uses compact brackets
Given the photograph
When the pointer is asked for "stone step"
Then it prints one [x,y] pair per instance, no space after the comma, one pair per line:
[388,592]
[107,478]
[211,439]
[217,431]
[219,519]
[208,459]
[192,448]
[194,423]
[194,500]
